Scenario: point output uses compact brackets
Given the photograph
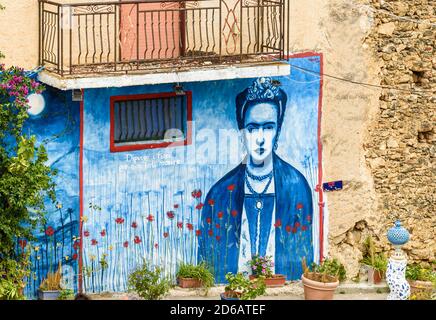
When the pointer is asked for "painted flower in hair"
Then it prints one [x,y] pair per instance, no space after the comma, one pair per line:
[170,214]
[137,240]
[199,206]
[119,220]
[49,231]
[134,225]
[262,88]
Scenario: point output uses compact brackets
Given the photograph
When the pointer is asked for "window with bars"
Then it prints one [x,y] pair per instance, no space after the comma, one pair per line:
[150,121]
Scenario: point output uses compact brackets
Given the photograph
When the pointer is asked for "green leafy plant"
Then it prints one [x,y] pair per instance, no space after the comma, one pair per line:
[243,288]
[261,266]
[12,277]
[199,272]
[417,272]
[25,179]
[66,294]
[329,270]
[148,282]
[377,262]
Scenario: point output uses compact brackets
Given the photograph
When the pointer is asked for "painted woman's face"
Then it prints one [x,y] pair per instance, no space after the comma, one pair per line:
[260,131]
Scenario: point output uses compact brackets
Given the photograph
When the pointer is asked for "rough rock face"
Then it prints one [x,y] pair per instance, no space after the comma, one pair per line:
[399,146]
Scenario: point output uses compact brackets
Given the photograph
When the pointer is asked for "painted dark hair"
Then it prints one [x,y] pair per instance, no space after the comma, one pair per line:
[261,91]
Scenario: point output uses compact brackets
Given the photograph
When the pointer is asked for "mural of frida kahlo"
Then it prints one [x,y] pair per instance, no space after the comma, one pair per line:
[258,207]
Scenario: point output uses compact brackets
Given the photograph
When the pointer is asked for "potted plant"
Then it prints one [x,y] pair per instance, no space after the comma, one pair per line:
[263,266]
[322,281]
[50,287]
[421,280]
[194,276]
[148,283]
[240,287]
[376,264]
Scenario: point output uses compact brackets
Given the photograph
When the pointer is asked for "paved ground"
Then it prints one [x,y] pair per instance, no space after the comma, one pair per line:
[291,291]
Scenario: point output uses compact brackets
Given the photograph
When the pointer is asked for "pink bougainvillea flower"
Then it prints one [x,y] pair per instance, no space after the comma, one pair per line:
[49,231]
[278,223]
[126,244]
[196,194]
[209,220]
[119,220]
[166,234]
[170,214]
[218,238]
[288,229]
[150,218]
[231,187]
[299,206]
[22,243]
[103,232]
[176,206]
[217,226]
[210,232]
[134,225]
[94,242]
[86,233]
[234,213]
[220,215]
[211,202]
[190,226]
[199,206]
[180,225]
[137,240]
[198,233]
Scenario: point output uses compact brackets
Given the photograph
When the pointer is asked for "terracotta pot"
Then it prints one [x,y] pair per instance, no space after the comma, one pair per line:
[315,290]
[418,285]
[277,280]
[374,276]
[189,283]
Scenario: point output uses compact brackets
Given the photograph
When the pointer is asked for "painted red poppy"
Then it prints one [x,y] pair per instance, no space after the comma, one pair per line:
[137,240]
[304,228]
[309,218]
[209,220]
[231,187]
[211,202]
[294,230]
[156,245]
[180,225]
[166,234]
[189,226]
[176,206]
[198,233]
[196,194]
[278,223]
[234,213]
[75,256]
[76,245]
[103,232]
[150,218]
[49,231]
[94,242]
[170,214]
[119,220]
[218,226]
[218,238]
[288,229]
[134,225]
[297,224]
[126,244]
[220,215]
[199,206]
[86,233]
[299,206]
[22,243]
[210,232]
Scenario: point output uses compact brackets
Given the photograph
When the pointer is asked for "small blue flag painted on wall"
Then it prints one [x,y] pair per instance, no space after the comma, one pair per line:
[332,186]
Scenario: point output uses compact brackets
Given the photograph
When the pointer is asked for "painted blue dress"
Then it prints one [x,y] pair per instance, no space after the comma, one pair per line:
[220,224]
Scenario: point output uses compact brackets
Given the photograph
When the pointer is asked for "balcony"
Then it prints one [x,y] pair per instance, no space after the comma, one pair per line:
[175,40]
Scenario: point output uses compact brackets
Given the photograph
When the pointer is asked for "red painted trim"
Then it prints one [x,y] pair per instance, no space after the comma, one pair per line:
[142,146]
[320,172]
[82,126]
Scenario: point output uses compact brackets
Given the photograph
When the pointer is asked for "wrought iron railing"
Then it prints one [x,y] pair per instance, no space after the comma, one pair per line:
[129,36]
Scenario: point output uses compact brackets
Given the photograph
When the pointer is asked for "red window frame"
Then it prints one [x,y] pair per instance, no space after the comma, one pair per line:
[142,146]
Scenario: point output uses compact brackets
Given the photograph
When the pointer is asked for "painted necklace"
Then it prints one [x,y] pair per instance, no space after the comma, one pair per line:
[259,201]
